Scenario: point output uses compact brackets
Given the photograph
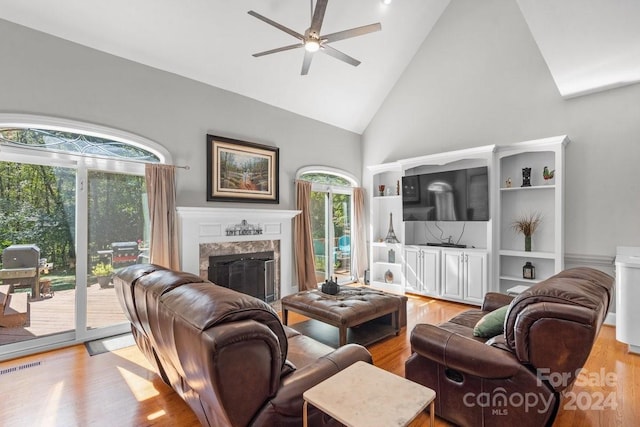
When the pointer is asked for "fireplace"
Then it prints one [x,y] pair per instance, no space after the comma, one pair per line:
[204,232]
[249,273]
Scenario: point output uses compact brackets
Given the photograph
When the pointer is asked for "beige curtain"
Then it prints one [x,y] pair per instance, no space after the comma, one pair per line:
[359,237]
[303,243]
[161,194]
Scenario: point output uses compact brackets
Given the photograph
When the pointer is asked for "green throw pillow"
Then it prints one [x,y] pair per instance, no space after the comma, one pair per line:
[491,324]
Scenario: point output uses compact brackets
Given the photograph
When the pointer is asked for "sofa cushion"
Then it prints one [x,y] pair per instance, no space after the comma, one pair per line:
[204,305]
[491,324]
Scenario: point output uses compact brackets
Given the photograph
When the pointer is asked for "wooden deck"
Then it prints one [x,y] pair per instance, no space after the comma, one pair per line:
[57,314]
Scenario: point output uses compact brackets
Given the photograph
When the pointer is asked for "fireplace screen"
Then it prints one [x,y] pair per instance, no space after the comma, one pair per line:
[249,273]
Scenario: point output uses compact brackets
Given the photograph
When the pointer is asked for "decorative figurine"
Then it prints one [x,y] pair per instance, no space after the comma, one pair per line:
[508,182]
[391,235]
[331,287]
[526,177]
[547,174]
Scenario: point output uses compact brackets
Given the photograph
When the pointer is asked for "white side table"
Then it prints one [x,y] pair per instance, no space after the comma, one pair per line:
[364,395]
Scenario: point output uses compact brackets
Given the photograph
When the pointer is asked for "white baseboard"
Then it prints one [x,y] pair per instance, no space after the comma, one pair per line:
[610,319]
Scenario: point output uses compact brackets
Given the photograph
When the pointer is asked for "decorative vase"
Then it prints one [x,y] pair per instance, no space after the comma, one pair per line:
[104,281]
[388,276]
[527,243]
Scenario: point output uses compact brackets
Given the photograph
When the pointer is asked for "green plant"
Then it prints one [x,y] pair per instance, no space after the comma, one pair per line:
[102,269]
[527,224]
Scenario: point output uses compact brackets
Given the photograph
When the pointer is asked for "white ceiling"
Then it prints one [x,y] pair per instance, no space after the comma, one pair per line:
[587,45]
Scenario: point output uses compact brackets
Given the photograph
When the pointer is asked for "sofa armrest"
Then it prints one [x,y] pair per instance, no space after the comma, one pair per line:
[462,354]
[288,399]
[494,300]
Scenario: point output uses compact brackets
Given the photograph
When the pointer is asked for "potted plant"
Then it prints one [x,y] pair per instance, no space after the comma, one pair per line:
[103,273]
[527,225]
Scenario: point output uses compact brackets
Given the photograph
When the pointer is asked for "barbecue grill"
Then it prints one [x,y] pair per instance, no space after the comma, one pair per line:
[124,253]
[21,267]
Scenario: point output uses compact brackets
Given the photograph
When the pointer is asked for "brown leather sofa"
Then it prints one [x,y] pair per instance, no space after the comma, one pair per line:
[516,377]
[225,353]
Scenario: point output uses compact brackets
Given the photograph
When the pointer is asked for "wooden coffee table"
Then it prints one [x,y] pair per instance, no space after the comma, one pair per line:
[364,395]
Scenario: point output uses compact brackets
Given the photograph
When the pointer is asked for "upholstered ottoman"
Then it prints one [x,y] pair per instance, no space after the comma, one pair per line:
[353,306]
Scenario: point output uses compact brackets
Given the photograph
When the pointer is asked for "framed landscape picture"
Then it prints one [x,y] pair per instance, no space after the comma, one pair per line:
[240,171]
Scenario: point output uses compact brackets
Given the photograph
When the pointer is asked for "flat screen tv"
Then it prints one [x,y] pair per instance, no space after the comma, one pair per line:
[456,195]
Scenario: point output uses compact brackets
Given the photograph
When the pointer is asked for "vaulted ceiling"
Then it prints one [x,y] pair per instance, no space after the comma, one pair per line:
[588,46]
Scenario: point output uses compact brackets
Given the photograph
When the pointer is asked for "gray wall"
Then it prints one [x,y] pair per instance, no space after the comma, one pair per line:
[44,75]
[480,79]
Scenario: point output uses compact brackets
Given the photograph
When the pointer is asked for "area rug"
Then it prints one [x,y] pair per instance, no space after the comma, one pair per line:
[107,344]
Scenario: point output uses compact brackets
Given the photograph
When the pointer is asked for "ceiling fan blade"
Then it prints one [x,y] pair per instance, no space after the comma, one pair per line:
[339,55]
[279,49]
[318,17]
[306,62]
[275,24]
[353,32]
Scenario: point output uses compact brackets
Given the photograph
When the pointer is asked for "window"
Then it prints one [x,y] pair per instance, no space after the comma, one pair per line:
[76,193]
[331,221]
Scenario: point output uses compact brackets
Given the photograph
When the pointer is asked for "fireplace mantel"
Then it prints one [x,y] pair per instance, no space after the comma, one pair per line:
[208,225]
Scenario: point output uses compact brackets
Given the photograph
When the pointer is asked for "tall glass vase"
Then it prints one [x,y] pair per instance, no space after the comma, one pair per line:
[527,243]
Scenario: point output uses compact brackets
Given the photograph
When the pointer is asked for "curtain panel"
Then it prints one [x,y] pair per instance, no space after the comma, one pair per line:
[161,195]
[359,238]
[303,242]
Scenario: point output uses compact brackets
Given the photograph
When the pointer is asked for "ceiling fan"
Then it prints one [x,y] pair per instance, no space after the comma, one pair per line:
[312,41]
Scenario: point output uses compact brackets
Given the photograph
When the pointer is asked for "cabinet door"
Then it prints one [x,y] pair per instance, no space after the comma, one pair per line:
[430,272]
[411,269]
[475,283]
[453,273]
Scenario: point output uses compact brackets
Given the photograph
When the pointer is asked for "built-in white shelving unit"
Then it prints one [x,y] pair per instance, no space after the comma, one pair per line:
[494,253]
[543,197]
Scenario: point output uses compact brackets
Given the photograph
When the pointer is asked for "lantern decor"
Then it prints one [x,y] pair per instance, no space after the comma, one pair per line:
[528,271]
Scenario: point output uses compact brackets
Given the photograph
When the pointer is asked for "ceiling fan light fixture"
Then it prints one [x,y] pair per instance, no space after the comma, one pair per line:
[312,45]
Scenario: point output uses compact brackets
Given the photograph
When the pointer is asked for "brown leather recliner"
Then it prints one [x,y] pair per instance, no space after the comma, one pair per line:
[516,377]
[225,353]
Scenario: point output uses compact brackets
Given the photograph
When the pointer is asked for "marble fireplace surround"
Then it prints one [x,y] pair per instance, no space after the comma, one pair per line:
[202,233]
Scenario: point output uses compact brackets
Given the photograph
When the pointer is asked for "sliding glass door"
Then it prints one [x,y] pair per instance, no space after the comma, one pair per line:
[37,234]
[118,232]
[331,218]
[73,211]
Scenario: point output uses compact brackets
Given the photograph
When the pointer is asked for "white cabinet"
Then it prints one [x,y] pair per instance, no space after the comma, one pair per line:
[627,296]
[464,275]
[422,270]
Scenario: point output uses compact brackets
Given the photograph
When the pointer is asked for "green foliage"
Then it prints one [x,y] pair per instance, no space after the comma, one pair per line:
[102,269]
[38,205]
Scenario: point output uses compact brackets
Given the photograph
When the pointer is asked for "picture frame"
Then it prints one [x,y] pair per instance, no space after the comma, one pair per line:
[241,171]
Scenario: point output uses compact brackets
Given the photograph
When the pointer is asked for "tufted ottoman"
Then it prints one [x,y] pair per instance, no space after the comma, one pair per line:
[353,306]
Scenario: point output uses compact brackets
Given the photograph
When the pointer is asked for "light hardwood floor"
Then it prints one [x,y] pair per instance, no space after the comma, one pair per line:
[68,387]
